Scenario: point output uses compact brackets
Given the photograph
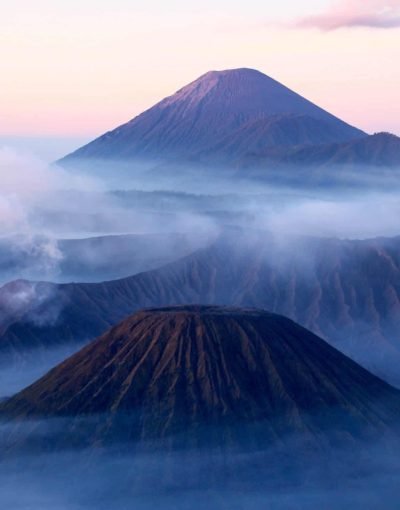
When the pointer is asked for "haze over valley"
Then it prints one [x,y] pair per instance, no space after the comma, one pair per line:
[200,308]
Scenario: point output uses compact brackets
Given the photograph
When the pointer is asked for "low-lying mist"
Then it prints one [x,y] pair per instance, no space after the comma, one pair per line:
[47,213]
[115,220]
[58,225]
[278,478]
[93,259]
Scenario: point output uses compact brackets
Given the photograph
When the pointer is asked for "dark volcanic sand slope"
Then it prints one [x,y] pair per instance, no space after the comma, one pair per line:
[348,292]
[175,369]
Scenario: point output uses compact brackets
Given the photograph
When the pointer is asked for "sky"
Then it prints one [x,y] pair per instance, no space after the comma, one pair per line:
[71,70]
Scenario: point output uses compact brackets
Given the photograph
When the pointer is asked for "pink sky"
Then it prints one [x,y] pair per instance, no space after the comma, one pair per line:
[356,13]
[81,68]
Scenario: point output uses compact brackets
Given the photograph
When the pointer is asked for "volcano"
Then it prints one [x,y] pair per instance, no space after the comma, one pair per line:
[347,292]
[174,370]
[223,115]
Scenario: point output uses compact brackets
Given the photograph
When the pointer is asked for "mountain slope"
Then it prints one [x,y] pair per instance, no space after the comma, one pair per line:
[348,292]
[175,369]
[204,118]
[379,150]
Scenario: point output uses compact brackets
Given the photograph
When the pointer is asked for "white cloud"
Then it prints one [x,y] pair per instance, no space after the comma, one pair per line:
[355,13]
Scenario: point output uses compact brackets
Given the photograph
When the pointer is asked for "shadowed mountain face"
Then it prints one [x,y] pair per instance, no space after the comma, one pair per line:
[348,292]
[222,115]
[379,150]
[175,369]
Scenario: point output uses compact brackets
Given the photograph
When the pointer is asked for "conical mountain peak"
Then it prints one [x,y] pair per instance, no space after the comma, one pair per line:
[175,369]
[243,91]
[237,107]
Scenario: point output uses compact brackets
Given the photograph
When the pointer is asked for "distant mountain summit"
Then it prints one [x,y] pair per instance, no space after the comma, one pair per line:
[174,370]
[222,115]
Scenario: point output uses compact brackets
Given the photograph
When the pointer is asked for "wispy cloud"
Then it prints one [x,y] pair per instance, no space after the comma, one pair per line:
[355,13]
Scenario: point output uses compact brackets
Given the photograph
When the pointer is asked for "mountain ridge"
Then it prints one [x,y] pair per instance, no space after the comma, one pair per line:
[178,368]
[377,150]
[348,292]
[211,109]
